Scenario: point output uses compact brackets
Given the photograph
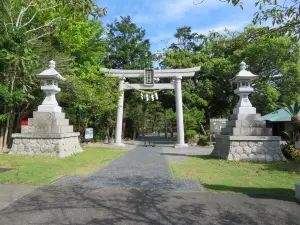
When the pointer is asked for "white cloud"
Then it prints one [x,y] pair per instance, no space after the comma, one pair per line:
[163,40]
[218,29]
[179,8]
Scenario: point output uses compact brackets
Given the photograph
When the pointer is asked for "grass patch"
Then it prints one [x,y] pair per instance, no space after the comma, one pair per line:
[38,170]
[275,179]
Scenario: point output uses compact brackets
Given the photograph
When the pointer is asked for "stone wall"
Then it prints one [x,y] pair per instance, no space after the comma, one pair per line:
[248,150]
[58,147]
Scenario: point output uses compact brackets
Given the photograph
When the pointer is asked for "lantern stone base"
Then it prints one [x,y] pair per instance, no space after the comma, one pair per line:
[49,108]
[50,145]
[248,148]
[246,137]
[47,134]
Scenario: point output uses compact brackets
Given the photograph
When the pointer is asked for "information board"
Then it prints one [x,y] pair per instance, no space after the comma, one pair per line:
[88,134]
[217,124]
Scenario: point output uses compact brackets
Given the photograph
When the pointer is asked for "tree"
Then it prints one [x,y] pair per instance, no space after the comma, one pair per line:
[275,59]
[284,14]
[126,46]
[128,49]
[28,29]
[91,97]
[293,110]
[186,40]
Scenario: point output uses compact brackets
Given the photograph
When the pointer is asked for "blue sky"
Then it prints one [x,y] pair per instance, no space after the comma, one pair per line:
[160,18]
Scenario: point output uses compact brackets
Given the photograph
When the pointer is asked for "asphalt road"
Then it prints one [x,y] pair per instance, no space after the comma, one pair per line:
[76,206]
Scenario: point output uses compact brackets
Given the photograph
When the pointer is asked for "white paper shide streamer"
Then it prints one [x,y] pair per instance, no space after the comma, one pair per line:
[152,96]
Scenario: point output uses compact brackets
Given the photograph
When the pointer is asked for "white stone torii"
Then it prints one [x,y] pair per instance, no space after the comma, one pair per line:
[177,74]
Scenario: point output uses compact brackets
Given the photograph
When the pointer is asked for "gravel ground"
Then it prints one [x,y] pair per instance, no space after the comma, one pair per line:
[142,168]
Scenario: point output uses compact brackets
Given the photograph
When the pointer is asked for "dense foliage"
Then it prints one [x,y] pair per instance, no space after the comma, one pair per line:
[34,32]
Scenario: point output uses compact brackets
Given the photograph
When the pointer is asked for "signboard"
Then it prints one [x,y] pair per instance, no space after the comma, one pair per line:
[24,123]
[217,124]
[88,135]
[149,77]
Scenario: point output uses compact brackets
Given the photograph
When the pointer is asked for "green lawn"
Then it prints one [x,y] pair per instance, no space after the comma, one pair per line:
[39,170]
[277,179]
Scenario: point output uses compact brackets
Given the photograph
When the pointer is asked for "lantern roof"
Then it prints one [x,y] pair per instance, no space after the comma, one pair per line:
[243,74]
[50,73]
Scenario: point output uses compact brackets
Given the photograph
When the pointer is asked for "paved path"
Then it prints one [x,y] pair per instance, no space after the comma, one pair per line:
[144,167]
[138,188]
[78,206]
[10,193]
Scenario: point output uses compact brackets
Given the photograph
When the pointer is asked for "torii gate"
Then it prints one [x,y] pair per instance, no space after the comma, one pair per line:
[149,75]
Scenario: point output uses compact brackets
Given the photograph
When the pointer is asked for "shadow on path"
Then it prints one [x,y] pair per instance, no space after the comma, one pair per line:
[264,193]
[74,205]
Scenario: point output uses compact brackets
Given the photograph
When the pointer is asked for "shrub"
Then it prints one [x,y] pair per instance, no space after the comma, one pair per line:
[191,136]
[290,151]
[203,140]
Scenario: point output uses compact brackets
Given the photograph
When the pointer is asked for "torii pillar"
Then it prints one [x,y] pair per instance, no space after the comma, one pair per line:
[179,114]
[118,133]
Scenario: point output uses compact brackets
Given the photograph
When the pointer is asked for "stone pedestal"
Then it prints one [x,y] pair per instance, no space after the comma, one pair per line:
[47,134]
[246,137]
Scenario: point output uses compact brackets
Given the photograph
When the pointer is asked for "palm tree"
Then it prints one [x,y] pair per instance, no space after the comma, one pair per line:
[293,110]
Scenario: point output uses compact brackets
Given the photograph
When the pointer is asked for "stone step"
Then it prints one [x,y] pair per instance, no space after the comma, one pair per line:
[246,123]
[256,116]
[47,129]
[54,121]
[49,115]
[246,131]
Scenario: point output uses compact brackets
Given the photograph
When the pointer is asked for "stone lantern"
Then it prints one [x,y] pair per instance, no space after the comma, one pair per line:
[243,80]
[48,133]
[50,78]
[246,136]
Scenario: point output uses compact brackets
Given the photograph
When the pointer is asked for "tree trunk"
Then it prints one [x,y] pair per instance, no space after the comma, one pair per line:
[107,135]
[202,128]
[154,122]
[166,125]
[13,127]
[1,138]
[10,112]
[6,132]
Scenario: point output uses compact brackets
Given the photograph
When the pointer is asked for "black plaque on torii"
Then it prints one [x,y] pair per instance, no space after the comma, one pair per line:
[149,77]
